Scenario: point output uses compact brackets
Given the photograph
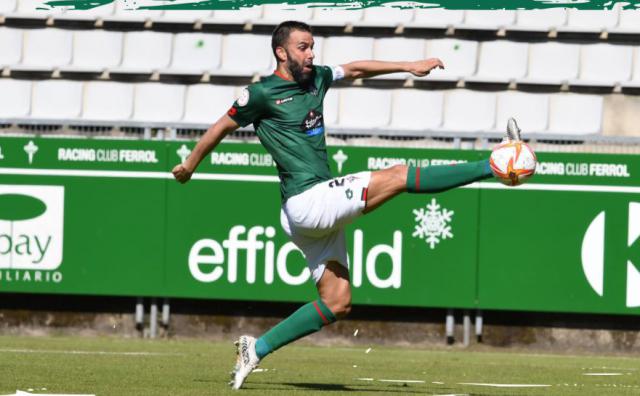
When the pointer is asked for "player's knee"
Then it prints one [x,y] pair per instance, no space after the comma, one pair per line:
[342,305]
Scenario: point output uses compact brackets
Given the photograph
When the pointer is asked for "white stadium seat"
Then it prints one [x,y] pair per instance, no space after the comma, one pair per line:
[318,50]
[489,18]
[336,16]
[629,21]
[37,9]
[398,49]
[103,11]
[158,102]
[502,60]
[11,44]
[575,114]
[276,13]
[592,20]
[190,16]
[56,99]
[47,48]
[531,110]
[127,10]
[469,111]
[387,16]
[196,52]
[415,109]
[246,54]
[206,103]
[330,107]
[458,56]
[341,50]
[364,108]
[553,63]
[15,98]
[146,51]
[97,49]
[437,17]
[107,101]
[543,19]
[7,6]
[635,78]
[605,64]
[241,15]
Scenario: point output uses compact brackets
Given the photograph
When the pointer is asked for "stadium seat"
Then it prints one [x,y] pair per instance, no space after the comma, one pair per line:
[146,51]
[330,108]
[386,16]
[47,48]
[605,64]
[629,21]
[336,16]
[318,50]
[158,102]
[415,109]
[592,20]
[531,111]
[196,52]
[105,100]
[340,50]
[458,56]
[206,103]
[364,108]
[37,9]
[437,17]
[276,13]
[97,49]
[244,54]
[492,19]
[575,114]
[56,99]
[502,61]
[398,49]
[126,11]
[469,111]
[241,15]
[11,44]
[635,78]
[552,63]
[543,19]
[190,16]
[103,11]
[15,98]
[8,6]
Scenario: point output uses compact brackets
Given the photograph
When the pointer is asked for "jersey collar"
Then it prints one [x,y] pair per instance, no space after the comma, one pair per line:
[282,76]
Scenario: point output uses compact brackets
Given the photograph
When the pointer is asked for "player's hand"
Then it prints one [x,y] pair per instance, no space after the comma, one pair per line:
[424,67]
[182,173]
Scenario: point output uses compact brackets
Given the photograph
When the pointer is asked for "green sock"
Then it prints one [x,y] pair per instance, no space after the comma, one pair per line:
[306,320]
[441,178]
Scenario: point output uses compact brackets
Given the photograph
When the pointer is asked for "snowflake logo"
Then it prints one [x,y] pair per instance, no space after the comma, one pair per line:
[433,224]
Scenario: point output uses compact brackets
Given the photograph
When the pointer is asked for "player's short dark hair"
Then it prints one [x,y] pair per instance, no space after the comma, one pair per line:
[281,33]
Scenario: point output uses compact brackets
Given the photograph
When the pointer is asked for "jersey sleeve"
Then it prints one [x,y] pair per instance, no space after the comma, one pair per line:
[326,78]
[249,107]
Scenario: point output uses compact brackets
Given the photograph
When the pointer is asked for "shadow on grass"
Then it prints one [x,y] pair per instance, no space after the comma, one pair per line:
[368,388]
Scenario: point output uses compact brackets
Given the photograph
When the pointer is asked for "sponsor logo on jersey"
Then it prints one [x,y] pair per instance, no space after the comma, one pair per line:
[244,97]
[285,100]
[313,123]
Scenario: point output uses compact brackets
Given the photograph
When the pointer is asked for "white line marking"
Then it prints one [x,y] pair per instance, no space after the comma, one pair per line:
[505,385]
[275,179]
[403,381]
[364,379]
[602,374]
[22,393]
[12,350]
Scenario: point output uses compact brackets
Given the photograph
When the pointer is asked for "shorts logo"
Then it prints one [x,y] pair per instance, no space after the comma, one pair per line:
[313,123]
[31,227]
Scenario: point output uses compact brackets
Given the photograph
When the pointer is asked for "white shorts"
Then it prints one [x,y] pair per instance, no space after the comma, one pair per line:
[315,219]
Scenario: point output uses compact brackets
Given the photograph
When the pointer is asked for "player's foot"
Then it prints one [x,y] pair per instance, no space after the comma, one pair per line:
[246,361]
[513,131]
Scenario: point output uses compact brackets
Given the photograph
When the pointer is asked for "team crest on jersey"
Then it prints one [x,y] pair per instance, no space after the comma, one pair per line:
[244,97]
[313,123]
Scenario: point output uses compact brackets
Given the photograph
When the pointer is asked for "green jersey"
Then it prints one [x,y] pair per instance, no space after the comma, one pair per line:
[288,121]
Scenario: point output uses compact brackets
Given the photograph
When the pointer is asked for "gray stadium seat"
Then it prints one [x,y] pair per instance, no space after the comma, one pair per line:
[276,13]
[414,109]
[605,64]
[11,44]
[47,48]
[437,17]
[469,111]
[97,49]
[489,18]
[543,19]
[552,63]
[196,52]
[341,50]
[56,99]
[575,114]
[398,49]
[246,54]
[107,101]
[364,108]
[206,103]
[146,51]
[158,102]
[501,61]
[458,56]
[531,110]
[15,98]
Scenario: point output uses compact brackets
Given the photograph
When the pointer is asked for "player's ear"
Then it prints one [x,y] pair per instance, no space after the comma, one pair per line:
[282,54]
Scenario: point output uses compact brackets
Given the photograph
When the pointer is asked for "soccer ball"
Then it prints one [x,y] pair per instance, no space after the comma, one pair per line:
[513,162]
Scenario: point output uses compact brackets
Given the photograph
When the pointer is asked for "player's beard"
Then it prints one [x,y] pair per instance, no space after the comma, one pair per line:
[298,74]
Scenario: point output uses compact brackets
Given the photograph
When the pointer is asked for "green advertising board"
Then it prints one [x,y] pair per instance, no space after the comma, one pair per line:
[105,217]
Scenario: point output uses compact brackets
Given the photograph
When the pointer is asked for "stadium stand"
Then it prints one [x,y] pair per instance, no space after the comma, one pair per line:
[510,62]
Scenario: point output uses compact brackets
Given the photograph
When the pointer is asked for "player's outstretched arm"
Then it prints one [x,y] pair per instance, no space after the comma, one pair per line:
[225,125]
[371,68]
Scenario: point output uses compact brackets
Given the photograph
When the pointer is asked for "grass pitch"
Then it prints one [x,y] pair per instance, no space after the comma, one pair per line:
[116,366]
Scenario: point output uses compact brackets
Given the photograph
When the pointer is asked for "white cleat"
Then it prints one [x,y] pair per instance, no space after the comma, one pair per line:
[513,131]
[246,361]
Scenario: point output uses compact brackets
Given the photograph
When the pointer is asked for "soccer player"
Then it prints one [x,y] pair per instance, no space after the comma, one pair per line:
[285,109]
